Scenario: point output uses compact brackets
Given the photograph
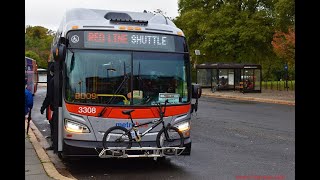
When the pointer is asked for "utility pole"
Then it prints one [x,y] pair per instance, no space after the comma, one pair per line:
[286,72]
[197,52]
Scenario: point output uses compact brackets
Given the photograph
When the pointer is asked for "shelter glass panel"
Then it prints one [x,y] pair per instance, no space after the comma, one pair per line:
[214,78]
[248,79]
[204,77]
[237,78]
[257,79]
[223,79]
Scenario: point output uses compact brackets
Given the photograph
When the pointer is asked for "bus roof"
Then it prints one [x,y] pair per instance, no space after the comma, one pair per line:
[97,19]
[29,58]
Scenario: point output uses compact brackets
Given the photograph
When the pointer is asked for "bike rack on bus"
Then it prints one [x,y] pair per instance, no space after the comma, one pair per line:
[157,152]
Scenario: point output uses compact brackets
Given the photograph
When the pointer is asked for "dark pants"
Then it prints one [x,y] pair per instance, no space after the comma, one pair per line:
[54,133]
[51,128]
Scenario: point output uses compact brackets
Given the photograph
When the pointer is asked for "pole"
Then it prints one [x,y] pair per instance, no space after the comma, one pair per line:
[195,63]
[286,68]
[197,53]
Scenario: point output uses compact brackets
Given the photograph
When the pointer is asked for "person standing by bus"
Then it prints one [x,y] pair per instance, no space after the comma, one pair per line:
[28,103]
[48,102]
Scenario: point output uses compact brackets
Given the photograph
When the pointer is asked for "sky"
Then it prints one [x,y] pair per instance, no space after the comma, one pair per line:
[48,13]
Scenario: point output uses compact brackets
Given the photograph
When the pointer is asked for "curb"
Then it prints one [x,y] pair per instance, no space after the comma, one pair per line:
[291,103]
[44,158]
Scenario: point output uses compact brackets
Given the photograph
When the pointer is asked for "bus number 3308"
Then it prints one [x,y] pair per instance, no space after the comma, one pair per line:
[87,110]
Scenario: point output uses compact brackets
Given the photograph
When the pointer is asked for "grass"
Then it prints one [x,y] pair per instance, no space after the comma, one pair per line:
[278,85]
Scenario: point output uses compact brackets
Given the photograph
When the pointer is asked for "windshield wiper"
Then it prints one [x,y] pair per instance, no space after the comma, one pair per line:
[125,79]
[139,80]
[72,62]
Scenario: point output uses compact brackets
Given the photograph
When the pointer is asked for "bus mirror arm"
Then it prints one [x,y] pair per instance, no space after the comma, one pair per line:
[63,40]
[59,52]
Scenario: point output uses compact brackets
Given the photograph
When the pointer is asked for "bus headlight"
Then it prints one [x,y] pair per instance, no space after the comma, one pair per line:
[184,126]
[75,127]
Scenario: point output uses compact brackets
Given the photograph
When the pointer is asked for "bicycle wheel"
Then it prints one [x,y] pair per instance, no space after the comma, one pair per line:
[174,139]
[117,138]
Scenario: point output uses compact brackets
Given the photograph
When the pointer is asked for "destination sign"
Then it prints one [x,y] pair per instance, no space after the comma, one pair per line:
[125,41]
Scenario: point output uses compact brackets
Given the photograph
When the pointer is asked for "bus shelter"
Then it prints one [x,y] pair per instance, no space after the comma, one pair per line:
[229,76]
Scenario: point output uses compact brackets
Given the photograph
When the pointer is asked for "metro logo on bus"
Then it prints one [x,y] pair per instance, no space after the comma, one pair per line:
[129,125]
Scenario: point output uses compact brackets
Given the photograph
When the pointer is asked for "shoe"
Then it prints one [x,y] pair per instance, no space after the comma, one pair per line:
[49,148]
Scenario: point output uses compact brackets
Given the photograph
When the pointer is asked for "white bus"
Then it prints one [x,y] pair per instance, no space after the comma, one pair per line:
[110,61]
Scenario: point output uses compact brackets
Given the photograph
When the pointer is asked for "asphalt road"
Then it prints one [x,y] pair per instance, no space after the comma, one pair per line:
[231,140]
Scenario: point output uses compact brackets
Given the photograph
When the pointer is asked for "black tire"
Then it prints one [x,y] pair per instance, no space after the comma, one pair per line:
[60,155]
[64,158]
[160,160]
[174,134]
[118,141]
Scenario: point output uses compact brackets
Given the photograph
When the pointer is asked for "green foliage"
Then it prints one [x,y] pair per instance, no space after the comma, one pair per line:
[35,56]
[284,14]
[32,55]
[235,30]
[38,41]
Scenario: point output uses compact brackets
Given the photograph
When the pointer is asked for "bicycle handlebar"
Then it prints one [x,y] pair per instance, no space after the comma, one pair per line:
[165,105]
[160,108]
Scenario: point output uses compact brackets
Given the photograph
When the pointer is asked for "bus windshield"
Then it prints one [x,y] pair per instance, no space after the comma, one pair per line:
[126,77]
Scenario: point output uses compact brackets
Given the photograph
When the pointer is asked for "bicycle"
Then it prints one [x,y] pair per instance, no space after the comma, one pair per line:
[117,138]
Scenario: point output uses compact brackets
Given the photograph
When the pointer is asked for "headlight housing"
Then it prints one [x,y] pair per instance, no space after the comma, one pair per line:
[75,127]
[184,126]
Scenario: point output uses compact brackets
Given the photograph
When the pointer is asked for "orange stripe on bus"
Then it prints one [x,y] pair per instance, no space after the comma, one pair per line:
[116,112]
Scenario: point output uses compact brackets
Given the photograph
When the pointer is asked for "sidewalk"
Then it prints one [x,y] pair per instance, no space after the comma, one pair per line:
[38,165]
[267,96]
[33,166]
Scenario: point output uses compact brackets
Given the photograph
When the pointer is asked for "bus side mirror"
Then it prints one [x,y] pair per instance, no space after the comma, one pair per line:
[59,52]
[196,91]
[194,108]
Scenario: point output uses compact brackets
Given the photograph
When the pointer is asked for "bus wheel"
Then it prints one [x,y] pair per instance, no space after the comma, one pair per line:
[158,160]
[62,157]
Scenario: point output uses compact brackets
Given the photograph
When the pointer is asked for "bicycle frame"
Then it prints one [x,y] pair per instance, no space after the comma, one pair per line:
[161,113]
[148,130]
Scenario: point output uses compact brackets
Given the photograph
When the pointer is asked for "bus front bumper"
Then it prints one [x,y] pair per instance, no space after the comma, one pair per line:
[76,148]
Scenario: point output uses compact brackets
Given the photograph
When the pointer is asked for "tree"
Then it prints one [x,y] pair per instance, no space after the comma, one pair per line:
[235,30]
[284,15]
[228,30]
[284,45]
[35,56]
[38,41]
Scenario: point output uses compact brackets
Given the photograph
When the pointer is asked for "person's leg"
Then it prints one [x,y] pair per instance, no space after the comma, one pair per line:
[55,132]
[51,129]
[51,132]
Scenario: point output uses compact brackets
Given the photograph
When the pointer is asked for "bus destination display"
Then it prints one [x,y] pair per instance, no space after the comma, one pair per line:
[128,40]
